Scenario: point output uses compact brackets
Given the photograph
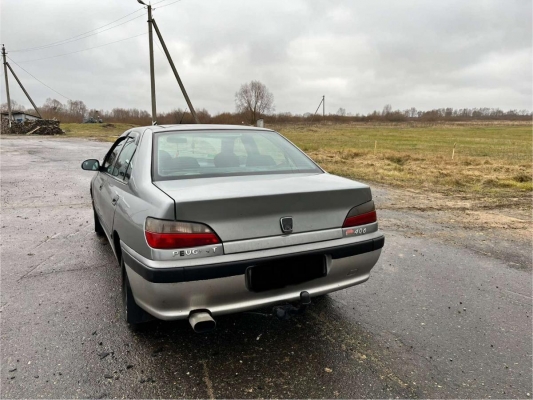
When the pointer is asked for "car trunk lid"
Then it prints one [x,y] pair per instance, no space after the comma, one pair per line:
[250,207]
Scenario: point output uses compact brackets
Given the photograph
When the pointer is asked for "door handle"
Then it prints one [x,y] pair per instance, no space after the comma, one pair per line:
[114,200]
[101,185]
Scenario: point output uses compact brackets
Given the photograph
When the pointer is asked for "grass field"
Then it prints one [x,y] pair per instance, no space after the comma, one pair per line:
[491,161]
[104,132]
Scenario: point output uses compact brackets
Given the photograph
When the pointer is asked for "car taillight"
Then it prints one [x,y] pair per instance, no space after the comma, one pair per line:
[163,234]
[361,215]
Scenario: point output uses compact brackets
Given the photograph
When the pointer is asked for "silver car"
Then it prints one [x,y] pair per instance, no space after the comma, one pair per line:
[207,220]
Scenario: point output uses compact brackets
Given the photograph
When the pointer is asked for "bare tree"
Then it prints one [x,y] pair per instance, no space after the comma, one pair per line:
[53,105]
[387,109]
[77,108]
[15,106]
[255,100]
[342,112]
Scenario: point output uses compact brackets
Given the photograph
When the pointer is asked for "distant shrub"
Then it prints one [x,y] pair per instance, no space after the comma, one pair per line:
[522,177]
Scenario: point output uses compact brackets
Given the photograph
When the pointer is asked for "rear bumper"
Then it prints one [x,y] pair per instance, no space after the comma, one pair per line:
[238,267]
[173,292]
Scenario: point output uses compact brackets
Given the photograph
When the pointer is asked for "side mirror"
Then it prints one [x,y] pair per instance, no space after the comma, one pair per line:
[90,165]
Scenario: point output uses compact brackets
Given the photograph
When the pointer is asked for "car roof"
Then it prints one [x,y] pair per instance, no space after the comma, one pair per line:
[202,127]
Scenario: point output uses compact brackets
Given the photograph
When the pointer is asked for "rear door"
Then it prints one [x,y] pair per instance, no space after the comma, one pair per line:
[115,178]
[101,193]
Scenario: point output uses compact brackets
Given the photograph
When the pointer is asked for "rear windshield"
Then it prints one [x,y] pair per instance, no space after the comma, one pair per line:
[202,154]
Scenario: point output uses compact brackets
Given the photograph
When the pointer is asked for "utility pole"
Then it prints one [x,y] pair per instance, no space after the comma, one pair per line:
[152,24]
[24,90]
[151,45]
[323,107]
[7,86]
[191,108]
[318,108]
[152,73]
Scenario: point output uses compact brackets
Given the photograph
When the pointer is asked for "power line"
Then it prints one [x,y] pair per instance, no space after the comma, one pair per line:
[64,41]
[76,38]
[165,5]
[62,95]
[81,34]
[79,51]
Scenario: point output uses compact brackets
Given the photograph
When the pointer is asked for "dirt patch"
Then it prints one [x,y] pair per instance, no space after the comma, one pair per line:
[511,218]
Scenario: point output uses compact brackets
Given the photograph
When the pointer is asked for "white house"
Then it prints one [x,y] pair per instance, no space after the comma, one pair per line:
[20,116]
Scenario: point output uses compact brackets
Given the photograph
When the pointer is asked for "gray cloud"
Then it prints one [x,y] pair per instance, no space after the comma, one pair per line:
[361,55]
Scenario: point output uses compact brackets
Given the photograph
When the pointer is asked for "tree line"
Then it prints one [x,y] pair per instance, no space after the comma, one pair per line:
[77,111]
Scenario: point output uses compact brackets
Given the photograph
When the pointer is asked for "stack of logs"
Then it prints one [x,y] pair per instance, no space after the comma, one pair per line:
[32,127]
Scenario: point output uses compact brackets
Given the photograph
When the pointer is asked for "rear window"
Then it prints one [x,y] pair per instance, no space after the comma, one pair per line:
[202,154]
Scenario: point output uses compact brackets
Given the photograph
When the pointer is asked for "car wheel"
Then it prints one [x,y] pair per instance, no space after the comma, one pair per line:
[133,314]
[97,226]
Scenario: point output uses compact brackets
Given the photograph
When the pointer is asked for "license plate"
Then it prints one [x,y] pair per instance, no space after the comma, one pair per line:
[284,272]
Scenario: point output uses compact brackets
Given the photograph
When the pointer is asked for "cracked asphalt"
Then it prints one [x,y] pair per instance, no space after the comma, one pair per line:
[437,319]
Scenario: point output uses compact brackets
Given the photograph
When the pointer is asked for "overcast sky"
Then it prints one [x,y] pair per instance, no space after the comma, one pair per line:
[360,54]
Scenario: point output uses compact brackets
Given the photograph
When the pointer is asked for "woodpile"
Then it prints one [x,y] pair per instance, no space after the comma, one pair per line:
[32,127]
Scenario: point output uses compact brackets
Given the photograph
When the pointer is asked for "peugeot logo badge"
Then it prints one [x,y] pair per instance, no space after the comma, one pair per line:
[286,224]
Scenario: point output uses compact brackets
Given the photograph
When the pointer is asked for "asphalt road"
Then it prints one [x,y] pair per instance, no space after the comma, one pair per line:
[437,318]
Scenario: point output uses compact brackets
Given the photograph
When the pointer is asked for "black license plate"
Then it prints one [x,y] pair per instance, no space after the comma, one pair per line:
[284,272]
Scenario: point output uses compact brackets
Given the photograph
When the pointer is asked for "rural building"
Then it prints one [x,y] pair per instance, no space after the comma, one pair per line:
[20,116]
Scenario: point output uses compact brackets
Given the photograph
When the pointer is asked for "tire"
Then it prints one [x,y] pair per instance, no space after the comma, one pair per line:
[133,314]
[97,226]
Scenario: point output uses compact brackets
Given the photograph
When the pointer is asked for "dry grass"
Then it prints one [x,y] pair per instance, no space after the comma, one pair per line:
[495,178]
[103,132]
[492,161]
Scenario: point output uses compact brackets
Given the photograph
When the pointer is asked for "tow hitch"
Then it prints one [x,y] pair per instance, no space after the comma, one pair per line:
[286,311]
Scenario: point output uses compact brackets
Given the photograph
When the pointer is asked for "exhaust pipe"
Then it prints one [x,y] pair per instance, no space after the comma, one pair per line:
[202,322]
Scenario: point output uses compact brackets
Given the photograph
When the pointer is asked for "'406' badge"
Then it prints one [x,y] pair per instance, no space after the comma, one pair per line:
[355,231]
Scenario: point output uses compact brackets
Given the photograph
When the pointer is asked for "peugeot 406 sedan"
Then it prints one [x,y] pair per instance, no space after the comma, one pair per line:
[212,219]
